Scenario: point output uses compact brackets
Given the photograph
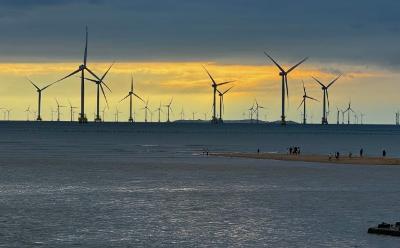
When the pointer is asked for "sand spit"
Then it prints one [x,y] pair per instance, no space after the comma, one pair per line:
[312,158]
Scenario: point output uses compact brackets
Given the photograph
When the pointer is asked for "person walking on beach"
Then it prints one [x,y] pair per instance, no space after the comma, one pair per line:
[361,152]
[384,153]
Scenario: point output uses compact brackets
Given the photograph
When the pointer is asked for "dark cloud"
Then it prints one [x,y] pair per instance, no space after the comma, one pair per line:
[361,32]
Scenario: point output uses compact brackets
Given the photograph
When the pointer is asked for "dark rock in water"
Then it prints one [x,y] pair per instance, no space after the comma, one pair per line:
[386,229]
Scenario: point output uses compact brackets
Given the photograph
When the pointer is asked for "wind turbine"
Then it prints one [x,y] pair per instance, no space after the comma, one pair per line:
[103,113]
[251,110]
[193,115]
[348,110]
[82,68]
[130,94]
[305,96]
[221,102]
[39,90]
[337,116]
[285,88]
[362,118]
[214,85]
[146,108]
[168,106]
[257,109]
[159,110]
[8,114]
[182,114]
[71,109]
[27,111]
[58,110]
[117,112]
[99,84]
[326,97]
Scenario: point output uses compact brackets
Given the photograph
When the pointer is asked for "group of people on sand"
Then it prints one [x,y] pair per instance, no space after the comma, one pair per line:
[350,155]
[294,150]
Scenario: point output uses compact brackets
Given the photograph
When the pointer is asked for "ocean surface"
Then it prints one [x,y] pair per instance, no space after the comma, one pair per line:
[149,185]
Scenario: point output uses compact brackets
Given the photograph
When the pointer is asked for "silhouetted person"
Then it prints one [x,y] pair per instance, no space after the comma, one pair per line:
[350,154]
[290,150]
[384,153]
[258,151]
[298,150]
[361,152]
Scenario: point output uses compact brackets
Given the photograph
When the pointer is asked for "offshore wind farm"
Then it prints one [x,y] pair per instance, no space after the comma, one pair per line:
[199,124]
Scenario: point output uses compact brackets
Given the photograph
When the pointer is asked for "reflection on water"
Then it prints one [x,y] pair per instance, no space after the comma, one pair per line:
[63,188]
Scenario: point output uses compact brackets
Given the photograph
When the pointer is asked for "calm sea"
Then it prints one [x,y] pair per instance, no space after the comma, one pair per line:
[121,185]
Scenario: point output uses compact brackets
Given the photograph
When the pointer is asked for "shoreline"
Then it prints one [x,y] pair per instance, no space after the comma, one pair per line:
[312,158]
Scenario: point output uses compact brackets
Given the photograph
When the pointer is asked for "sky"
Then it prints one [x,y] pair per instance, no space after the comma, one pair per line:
[165,43]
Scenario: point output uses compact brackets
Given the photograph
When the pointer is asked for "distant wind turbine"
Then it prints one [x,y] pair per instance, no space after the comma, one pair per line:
[130,94]
[214,85]
[71,109]
[221,102]
[168,106]
[58,110]
[39,90]
[27,111]
[348,110]
[305,96]
[326,98]
[257,110]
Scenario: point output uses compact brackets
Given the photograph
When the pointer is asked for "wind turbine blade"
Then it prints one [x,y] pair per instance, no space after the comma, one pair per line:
[327,98]
[212,79]
[106,86]
[293,67]
[131,82]
[104,94]
[333,81]
[219,92]
[226,91]
[124,98]
[91,80]
[300,104]
[287,88]
[318,81]
[47,86]
[138,97]
[33,84]
[69,75]
[276,63]
[223,105]
[105,74]
[93,74]
[86,46]
[171,101]
[309,97]
[304,88]
[228,82]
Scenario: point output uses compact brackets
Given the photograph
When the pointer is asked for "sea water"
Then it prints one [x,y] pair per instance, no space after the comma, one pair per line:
[149,185]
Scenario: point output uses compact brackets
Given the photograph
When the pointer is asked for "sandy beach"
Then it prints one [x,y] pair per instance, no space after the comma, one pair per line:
[313,158]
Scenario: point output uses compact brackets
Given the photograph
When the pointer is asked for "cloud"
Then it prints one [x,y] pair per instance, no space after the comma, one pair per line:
[238,31]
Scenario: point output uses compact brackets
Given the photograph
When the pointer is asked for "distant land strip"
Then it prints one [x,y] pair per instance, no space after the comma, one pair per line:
[312,158]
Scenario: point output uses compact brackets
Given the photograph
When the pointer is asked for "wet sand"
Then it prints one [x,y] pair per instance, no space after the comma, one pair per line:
[313,158]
